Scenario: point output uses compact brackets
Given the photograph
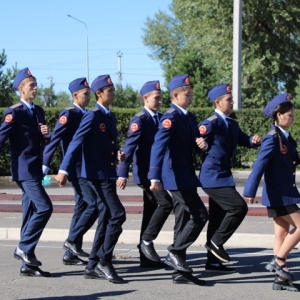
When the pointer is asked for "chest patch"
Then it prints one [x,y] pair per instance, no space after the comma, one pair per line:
[102,127]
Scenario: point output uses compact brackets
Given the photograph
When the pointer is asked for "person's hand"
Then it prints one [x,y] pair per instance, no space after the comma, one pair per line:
[121,155]
[256,139]
[249,200]
[201,143]
[44,129]
[61,179]
[121,183]
[155,186]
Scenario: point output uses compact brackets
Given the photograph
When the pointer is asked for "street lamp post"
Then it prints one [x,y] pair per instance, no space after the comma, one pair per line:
[87,44]
[237,54]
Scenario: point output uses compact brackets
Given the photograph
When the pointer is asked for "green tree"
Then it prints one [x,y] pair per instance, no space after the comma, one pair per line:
[7,94]
[63,100]
[271,43]
[126,97]
[296,99]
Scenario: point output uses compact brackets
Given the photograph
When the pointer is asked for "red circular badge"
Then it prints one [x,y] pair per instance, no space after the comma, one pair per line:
[8,118]
[167,123]
[284,149]
[228,88]
[187,81]
[102,127]
[157,86]
[134,127]
[109,80]
[63,120]
[202,129]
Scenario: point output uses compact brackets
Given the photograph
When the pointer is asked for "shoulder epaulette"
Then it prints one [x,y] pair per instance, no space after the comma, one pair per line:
[70,108]
[140,114]
[95,109]
[272,132]
[212,118]
[171,110]
[16,105]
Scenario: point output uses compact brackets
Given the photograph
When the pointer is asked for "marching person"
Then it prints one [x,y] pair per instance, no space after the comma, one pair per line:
[227,208]
[277,161]
[85,210]
[25,128]
[171,168]
[157,206]
[97,135]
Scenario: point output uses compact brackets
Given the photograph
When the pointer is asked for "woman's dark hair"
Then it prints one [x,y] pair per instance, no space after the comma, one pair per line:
[281,108]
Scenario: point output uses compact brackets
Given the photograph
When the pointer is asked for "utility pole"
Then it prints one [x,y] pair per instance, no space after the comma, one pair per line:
[237,54]
[119,68]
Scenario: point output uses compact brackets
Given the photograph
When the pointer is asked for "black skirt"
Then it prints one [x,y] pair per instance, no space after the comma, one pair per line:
[282,210]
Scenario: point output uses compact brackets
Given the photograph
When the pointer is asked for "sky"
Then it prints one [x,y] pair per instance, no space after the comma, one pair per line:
[39,35]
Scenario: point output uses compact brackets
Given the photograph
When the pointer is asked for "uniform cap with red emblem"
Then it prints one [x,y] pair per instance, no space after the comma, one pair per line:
[179,81]
[100,82]
[22,74]
[219,90]
[270,107]
[149,87]
[78,84]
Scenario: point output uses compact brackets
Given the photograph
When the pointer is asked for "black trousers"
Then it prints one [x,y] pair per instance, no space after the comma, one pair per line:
[111,216]
[157,208]
[190,218]
[227,209]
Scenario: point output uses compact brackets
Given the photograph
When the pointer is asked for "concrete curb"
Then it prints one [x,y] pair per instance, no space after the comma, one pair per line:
[132,237]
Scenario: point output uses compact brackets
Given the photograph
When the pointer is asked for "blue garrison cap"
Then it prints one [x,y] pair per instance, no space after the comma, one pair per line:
[22,74]
[178,81]
[219,90]
[78,84]
[270,107]
[100,82]
[150,86]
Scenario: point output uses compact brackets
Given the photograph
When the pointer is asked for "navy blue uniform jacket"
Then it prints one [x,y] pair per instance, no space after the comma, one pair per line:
[97,135]
[25,141]
[216,165]
[279,171]
[172,152]
[137,148]
[65,128]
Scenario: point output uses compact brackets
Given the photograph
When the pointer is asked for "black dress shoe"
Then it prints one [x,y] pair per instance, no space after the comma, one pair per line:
[92,274]
[108,272]
[74,261]
[33,272]
[217,251]
[74,248]
[28,258]
[186,278]
[283,285]
[218,268]
[177,262]
[149,251]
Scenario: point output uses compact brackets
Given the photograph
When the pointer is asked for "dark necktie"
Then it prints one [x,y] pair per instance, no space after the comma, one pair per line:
[229,127]
[155,118]
[33,113]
